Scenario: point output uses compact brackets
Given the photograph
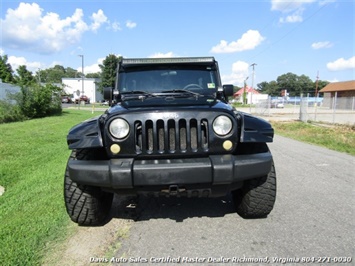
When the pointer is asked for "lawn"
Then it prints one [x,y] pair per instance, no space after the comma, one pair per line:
[33,156]
[335,137]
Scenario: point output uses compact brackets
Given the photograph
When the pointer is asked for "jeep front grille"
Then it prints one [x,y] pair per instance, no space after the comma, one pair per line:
[171,136]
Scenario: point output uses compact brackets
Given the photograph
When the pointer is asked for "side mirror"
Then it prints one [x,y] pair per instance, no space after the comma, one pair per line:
[228,90]
[108,93]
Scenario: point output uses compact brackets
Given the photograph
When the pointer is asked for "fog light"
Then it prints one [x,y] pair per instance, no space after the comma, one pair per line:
[115,148]
[227,145]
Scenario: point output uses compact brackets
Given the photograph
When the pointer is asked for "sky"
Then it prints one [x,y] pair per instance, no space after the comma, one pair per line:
[308,37]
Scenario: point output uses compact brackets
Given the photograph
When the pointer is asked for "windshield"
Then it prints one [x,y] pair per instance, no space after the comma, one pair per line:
[201,80]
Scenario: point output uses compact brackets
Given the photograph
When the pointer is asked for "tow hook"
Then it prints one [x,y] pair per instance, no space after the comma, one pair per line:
[173,190]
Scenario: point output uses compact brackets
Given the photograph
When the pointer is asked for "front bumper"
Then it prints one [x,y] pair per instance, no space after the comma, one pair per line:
[128,174]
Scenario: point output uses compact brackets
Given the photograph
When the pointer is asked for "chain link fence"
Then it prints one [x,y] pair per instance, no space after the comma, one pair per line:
[334,110]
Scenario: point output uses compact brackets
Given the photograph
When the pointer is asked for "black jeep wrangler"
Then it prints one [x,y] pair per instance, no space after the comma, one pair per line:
[169,132]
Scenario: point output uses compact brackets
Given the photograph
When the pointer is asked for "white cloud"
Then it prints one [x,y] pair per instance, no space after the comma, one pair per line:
[239,73]
[130,24]
[320,45]
[342,64]
[94,68]
[296,17]
[99,18]
[162,55]
[15,62]
[294,9]
[248,41]
[28,28]
[288,6]
[325,2]
[116,26]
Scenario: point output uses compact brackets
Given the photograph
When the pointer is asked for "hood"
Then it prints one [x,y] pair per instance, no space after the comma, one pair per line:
[167,100]
[154,104]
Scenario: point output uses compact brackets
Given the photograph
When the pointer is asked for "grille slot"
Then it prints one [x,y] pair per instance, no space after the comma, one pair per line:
[171,136]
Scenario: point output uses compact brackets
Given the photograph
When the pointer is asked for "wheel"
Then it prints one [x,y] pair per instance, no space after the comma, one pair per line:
[257,196]
[85,205]
[192,85]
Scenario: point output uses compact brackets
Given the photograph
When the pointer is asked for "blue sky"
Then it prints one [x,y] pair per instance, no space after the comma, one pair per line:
[302,37]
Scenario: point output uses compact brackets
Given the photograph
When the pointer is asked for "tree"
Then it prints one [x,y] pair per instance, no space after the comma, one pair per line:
[70,73]
[289,82]
[108,71]
[24,77]
[306,84]
[93,75]
[322,84]
[6,72]
[271,88]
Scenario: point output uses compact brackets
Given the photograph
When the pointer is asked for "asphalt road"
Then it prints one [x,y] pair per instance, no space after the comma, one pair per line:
[313,218]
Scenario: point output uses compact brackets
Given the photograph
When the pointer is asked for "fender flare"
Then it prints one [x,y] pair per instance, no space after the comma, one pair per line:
[255,129]
[85,135]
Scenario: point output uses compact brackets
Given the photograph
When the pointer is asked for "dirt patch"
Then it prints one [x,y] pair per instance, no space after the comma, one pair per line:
[86,243]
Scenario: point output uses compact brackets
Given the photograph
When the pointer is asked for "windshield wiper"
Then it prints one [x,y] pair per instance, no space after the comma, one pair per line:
[141,95]
[182,92]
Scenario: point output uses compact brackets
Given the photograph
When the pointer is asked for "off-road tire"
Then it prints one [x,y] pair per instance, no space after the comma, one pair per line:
[257,197]
[85,205]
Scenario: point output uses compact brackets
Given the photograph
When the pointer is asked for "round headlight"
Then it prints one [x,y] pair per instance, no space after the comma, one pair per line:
[119,128]
[222,125]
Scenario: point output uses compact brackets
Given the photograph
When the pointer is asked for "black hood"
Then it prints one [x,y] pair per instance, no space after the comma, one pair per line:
[154,104]
[168,100]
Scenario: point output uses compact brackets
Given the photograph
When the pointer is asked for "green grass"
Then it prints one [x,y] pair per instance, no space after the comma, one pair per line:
[33,156]
[338,138]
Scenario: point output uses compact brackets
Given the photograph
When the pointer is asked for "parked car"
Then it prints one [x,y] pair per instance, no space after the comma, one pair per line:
[66,99]
[277,104]
[83,98]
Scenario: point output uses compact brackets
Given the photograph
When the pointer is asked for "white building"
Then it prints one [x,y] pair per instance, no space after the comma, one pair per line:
[251,96]
[75,87]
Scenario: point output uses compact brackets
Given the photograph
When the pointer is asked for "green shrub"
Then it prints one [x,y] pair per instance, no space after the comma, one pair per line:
[40,101]
[10,112]
[33,101]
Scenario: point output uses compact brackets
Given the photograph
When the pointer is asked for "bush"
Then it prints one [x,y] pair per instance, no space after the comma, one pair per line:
[32,102]
[10,112]
[40,101]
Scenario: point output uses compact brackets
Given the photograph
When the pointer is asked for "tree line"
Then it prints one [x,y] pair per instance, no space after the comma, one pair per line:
[290,84]
[54,75]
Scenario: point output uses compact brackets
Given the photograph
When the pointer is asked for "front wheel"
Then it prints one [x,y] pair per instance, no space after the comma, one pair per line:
[257,197]
[85,205]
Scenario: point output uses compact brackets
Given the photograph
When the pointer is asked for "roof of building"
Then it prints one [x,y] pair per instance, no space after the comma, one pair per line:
[247,90]
[339,86]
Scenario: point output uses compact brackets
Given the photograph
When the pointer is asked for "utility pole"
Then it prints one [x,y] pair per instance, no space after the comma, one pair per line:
[244,94]
[82,71]
[252,86]
[317,84]
[316,97]
[82,78]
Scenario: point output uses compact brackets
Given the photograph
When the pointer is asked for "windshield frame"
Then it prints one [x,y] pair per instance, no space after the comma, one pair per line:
[207,84]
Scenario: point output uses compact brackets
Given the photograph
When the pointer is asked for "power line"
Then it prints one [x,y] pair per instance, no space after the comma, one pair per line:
[290,31]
